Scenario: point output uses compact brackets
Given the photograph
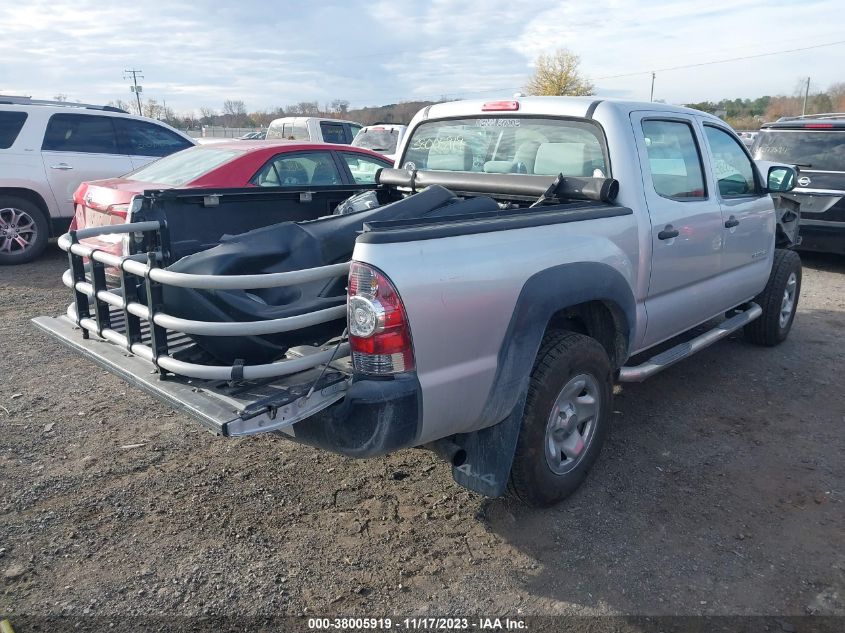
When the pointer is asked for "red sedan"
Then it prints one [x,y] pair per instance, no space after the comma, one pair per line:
[236,163]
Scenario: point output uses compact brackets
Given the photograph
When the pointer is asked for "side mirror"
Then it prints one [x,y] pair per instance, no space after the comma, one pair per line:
[781,179]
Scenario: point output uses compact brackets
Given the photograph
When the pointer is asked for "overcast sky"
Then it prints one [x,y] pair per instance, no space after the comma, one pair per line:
[376,52]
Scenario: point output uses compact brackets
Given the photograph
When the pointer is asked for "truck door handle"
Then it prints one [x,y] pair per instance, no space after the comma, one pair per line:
[62,166]
[731,222]
[668,233]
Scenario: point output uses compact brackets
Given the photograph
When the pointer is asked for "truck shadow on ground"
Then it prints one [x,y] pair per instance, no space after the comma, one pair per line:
[712,494]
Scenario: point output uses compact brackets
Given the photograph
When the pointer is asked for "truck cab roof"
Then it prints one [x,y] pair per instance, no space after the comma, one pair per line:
[549,106]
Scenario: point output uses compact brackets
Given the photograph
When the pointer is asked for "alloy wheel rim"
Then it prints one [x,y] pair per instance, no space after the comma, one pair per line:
[787,305]
[572,423]
[18,230]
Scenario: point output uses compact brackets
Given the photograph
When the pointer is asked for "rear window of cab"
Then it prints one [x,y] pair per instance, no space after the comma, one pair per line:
[509,145]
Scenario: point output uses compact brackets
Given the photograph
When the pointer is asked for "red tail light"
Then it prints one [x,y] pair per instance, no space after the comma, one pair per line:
[378,326]
[497,106]
[819,126]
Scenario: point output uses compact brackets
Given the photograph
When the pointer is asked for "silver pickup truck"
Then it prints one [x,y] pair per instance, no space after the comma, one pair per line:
[522,257]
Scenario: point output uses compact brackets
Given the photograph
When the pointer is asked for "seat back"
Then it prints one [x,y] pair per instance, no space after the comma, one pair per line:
[565,158]
[450,161]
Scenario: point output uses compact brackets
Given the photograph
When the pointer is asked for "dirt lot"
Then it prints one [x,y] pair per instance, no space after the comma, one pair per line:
[720,491]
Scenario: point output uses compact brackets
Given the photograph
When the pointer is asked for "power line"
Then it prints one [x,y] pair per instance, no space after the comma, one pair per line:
[658,70]
[721,61]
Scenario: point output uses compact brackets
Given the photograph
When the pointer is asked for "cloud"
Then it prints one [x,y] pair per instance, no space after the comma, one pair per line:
[197,54]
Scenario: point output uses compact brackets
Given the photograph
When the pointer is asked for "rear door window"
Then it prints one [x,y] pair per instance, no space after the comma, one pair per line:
[11,124]
[140,138]
[363,168]
[84,133]
[333,132]
[304,169]
[674,160]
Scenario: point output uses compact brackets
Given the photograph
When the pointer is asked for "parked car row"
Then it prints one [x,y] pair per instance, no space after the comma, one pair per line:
[48,148]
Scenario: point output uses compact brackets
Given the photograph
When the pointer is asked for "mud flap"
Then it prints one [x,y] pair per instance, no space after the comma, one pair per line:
[490,454]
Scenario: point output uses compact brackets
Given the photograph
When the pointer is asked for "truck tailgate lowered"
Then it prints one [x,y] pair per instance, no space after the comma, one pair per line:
[224,407]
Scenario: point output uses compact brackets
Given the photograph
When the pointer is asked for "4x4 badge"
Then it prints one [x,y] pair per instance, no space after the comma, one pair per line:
[804,181]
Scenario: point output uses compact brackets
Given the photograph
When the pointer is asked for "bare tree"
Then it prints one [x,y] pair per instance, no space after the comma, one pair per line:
[124,105]
[339,107]
[558,74]
[152,109]
[307,108]
[837,96]
[263,118]
[234,113]
[207,116]
[61,97]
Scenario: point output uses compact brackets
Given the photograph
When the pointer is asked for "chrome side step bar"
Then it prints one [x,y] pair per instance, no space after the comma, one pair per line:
[684,350]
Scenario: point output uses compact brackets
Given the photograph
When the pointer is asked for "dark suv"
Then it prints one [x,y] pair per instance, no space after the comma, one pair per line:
[816,144]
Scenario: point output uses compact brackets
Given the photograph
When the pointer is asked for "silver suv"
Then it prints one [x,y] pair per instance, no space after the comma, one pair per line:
[47,148]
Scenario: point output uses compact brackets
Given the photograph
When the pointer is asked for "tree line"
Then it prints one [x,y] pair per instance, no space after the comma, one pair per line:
[557,73]
[750,114]
[234,113]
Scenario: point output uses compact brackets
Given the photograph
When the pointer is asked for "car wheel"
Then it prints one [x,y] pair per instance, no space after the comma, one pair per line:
[23,230]
[779,301]
[567,414]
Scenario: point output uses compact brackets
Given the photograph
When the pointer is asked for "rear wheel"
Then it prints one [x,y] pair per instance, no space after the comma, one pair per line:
[23,230]
[567,414]
[779,301]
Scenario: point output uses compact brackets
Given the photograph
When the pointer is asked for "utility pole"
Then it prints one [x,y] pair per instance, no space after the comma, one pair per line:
[652,86]
[806,94]
[135,87]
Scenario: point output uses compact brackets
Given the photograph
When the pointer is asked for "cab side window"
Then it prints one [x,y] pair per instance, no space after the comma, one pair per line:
[674,160]
[298,170]
[731,165]
[363,168]
[81,133]
[332,132]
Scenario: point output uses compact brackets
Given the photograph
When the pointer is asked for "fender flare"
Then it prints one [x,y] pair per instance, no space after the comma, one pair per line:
[490,449]
[544,294]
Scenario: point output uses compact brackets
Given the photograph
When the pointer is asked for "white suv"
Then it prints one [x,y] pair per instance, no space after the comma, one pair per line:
[48,148]
[312,128]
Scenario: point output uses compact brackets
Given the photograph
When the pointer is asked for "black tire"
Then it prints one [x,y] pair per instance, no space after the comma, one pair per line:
[769,329]
[20,210]
[563,358]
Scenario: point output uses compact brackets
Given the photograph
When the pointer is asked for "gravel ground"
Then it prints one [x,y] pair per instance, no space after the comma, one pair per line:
[720,491]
